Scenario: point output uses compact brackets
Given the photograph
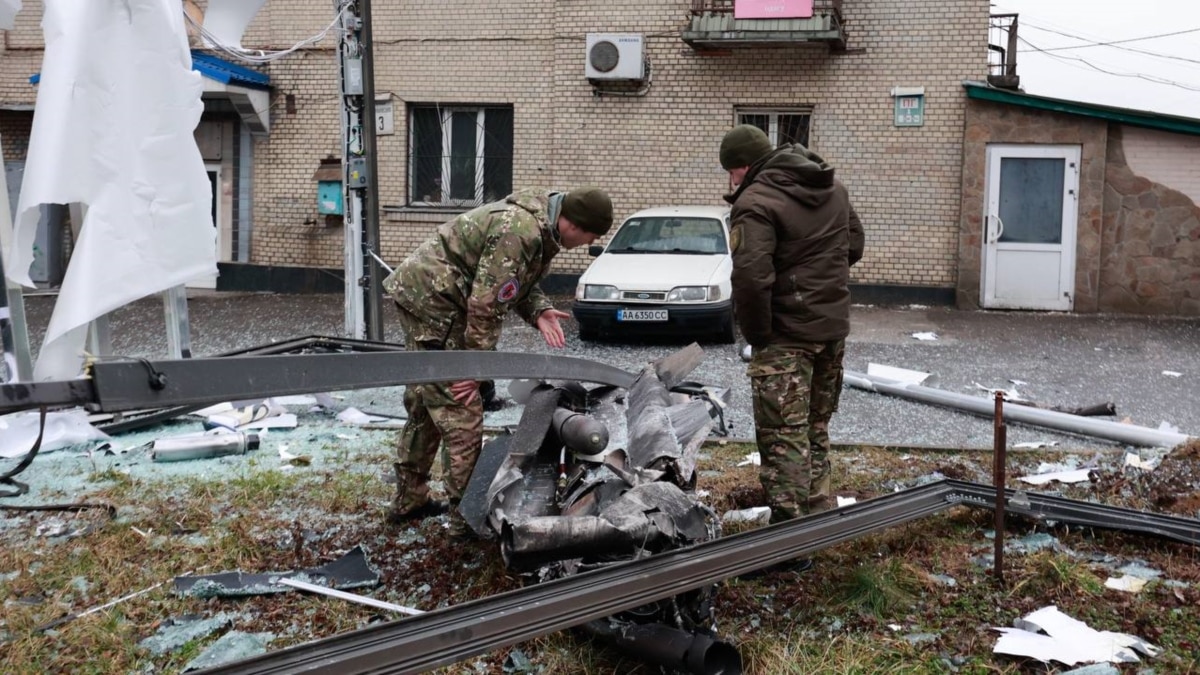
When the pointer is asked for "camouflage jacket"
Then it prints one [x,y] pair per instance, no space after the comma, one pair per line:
[463,280]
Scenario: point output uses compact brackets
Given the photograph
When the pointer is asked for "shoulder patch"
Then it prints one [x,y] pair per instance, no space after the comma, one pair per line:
[508,290]
[735,239]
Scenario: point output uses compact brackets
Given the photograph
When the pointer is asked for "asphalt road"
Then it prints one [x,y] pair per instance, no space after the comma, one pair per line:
[1066,360]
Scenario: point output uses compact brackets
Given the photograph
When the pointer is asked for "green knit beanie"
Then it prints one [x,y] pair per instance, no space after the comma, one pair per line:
[590,209]
[744,145]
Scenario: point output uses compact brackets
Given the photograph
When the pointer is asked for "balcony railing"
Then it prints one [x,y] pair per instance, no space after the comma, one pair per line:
[1002,51]
[819,6]
[712,25]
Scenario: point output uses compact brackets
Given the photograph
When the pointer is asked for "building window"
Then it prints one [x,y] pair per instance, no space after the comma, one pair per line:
[782,127]
[459,155]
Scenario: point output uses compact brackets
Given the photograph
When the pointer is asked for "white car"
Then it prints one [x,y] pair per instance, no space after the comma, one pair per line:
[665,271]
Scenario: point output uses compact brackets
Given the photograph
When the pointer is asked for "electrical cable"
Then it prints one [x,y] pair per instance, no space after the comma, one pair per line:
[262,57]
[1142,76]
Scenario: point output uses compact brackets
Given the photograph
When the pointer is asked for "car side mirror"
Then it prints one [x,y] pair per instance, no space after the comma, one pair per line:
[595,250]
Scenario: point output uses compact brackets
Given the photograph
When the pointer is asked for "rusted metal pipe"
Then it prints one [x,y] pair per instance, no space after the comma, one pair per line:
[999,460]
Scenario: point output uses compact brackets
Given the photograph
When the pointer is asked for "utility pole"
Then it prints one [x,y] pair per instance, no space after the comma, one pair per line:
[364,292]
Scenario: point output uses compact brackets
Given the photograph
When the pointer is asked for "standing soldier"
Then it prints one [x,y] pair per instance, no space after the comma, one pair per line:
[453,292]
[794,237]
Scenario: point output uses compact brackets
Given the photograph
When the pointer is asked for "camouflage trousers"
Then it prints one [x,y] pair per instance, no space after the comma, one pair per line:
[435,418]
[795,392]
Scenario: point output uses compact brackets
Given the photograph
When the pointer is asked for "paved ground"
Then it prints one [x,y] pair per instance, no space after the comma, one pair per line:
[1068,360]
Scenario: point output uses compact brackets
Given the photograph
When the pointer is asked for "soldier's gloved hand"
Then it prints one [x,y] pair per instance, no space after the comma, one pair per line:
[552,332]
[465,391]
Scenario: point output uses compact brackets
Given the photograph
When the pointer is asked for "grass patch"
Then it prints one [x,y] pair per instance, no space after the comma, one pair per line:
[878,604]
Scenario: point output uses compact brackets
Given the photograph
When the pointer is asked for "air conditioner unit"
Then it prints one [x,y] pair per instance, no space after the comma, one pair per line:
[615,56]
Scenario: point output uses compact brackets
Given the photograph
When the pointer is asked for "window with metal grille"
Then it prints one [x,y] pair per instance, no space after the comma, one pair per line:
[459,155]
[782,127]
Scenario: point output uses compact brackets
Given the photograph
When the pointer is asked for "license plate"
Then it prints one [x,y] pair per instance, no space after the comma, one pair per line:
[642,315]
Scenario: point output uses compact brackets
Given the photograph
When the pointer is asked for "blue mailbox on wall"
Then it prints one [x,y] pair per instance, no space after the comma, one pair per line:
[329,187]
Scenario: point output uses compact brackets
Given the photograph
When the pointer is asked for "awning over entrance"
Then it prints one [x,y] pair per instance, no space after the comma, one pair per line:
[248,90]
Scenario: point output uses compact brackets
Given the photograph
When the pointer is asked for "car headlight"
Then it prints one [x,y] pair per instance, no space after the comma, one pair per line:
[591,292]
[714,293]
[688,294]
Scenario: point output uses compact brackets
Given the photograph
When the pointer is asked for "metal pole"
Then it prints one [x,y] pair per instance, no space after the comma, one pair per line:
[372,283]
[999,460]
[350,79]
[1125,433]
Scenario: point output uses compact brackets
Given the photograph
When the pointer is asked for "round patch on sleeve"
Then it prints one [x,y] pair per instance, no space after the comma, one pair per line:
[735,239]
[508,290]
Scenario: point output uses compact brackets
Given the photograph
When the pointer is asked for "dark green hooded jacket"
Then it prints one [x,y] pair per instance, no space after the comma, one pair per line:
[795,236]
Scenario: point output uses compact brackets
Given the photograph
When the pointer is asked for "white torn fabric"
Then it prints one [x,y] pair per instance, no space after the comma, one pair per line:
[117,105]
[1068,641]
[8,13]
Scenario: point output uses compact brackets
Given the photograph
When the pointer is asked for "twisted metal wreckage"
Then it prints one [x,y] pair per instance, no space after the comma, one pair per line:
[611,535]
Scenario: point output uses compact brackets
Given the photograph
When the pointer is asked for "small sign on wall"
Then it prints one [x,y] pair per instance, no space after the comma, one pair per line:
[909,110]
[385,121]
[772,9]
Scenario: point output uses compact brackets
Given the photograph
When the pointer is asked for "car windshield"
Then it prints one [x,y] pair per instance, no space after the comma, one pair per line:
[670,235]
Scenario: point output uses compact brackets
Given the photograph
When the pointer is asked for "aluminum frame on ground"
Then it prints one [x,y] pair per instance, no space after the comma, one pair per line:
[445,636]
[139,384]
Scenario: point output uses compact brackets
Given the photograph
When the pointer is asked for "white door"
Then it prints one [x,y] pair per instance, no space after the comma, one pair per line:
[1029,227]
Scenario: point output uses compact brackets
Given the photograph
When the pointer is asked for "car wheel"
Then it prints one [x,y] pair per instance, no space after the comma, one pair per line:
[726,334]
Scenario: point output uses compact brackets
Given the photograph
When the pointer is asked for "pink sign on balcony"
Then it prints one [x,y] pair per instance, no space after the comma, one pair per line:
[772,9]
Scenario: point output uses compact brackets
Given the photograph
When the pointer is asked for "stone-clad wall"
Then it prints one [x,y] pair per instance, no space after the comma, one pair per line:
[1151,261]
[997,123]
[1138,241]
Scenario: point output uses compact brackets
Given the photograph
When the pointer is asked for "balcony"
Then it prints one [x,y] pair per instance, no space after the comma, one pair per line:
[712,25]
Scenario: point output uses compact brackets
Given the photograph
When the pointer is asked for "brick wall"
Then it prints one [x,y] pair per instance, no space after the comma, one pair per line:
[652,150]
[647,151]
[1163,157]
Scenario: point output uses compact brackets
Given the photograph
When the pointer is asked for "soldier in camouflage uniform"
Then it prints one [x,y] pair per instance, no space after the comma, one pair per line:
[794,237]
[453,292]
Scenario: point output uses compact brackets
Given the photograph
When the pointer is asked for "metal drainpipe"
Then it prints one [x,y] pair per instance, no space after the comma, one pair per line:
[999,460]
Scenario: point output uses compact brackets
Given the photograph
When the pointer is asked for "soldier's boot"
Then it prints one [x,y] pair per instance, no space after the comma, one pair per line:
[412,500]
[459,530]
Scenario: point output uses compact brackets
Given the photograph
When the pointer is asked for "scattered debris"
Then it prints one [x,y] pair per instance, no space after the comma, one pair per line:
[752,459]
[1127,583]
[845,501]
[353,415]
[219,443]
[173,634]
[760,515]
[71,617]
[928,336]
[1033,445]
[1172,373]
[19,431]
[232,646]
[1138,463]
[352,570]
[1010,395]
[360,599]
[1068,640]
[897,374]
[1071,476]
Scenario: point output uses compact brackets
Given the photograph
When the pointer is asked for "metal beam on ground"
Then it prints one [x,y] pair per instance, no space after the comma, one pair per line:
[445,636]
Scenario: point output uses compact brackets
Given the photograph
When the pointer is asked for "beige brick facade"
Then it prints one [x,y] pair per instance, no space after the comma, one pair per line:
[656,149]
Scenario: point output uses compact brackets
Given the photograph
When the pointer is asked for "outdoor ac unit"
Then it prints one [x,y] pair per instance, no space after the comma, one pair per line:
[615,56]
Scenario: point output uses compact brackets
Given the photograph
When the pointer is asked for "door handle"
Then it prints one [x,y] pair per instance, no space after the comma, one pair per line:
[994,235]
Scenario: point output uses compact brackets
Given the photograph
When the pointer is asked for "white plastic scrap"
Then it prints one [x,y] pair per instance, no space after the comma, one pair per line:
[1068,641]
[1139,463]
[899,374]
[1127,583]
[757,514]
[353,415]
[1172,373]
[926,336]
[1009,394]
[1036,444]
[845,501]
[752,459]
[1072,476]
